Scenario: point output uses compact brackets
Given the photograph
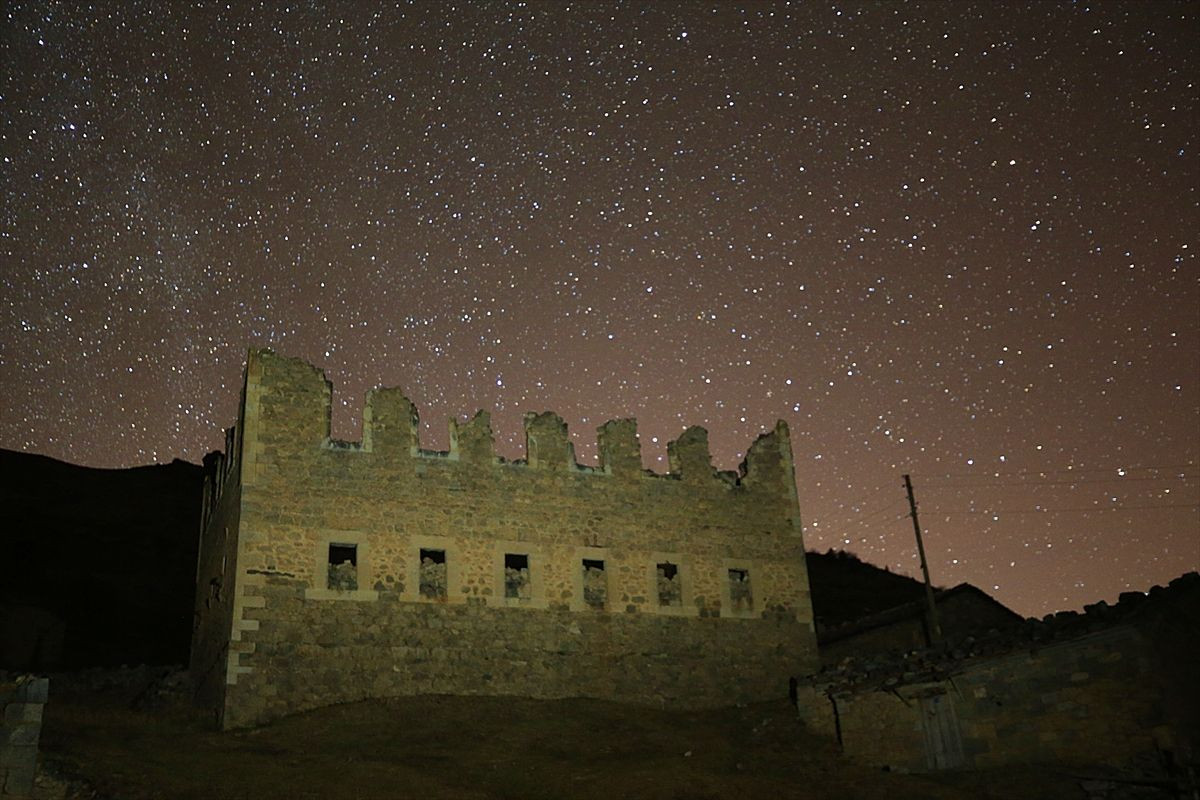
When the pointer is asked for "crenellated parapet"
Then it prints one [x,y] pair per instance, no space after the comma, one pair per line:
[288,404]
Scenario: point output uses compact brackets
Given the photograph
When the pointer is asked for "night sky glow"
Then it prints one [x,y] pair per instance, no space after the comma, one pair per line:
[946,239]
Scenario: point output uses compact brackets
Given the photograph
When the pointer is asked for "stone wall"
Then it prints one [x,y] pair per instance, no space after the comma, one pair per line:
[309,654]
[1096,699]
[21,703]
[375,510]
[213,632]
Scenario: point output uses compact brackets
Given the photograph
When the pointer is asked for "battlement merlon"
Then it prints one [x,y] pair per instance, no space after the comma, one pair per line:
[390,423]
[619,449]
[689,458]
[287,405]
[472,442]
[769,465]
[547,445]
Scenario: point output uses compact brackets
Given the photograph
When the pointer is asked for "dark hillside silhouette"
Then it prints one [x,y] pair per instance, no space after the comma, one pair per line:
[97,567]
[846,588]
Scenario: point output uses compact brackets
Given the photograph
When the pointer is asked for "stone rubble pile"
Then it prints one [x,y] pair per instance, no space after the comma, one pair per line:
[739,589]
[670,591]
[433,578]
[167,686]
[516,582]
[343,577]
[123,679]
[145,686]
[595,587]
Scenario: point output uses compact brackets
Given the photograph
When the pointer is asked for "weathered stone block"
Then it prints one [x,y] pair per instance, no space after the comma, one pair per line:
[390,422]
[620,452]
[20,779]
[689,457]
[23,712]
[32,690]
[547,444]
[473,441]
[22,733]
[17,755]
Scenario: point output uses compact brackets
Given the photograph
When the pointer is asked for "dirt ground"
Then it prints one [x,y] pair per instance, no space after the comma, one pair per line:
[101,744]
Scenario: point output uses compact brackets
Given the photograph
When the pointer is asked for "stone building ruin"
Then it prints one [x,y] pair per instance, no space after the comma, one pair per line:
[334,572]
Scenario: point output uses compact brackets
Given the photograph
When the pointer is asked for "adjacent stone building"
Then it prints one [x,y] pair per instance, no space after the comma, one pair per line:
[1113,687]
[333,572]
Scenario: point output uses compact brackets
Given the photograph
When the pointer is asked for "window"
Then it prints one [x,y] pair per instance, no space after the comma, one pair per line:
[737,588]
[595,584]
[516,576]
[669,584]
[433,573]
[740,596]
[591,589]
[343,567]
[668,587]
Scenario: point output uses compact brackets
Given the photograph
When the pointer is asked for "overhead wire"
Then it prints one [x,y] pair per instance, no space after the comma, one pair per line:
[1120,479]
[1084,509]
[1045,472]
[980,481]
[864,519]
[935,485]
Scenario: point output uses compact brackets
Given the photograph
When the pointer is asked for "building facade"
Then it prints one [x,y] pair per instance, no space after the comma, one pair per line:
[334,572]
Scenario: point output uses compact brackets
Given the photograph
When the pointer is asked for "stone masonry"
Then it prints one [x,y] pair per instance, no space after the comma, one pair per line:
[334,572]
[1114,686]
[21,703]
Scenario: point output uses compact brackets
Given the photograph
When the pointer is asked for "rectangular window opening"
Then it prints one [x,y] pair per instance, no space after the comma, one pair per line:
[343,567]
[670,586]
[739,590]
[433,573]
[516,576]
[595,583]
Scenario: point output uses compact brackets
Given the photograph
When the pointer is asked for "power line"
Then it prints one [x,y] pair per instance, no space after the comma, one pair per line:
[1044,472]
[1091,510]
[1122,479]
[863,520]
[878,513]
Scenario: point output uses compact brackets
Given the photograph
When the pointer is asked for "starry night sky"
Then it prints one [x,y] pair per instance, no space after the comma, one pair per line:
[945,239]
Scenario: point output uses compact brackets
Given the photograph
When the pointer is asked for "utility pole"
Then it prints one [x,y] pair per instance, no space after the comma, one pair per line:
[933,632]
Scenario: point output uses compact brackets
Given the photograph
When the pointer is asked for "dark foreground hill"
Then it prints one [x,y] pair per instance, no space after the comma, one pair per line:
[477,748]
[846,588]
